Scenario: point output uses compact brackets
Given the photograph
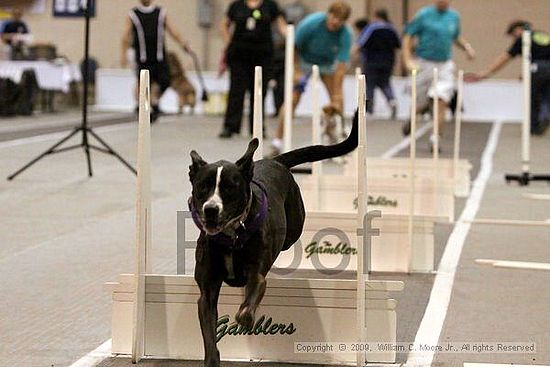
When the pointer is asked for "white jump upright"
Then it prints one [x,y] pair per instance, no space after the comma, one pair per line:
[362,268]
[435,115]
[289,87]
[143,215]
[526,78]
[412,172]
[257,126]
[458,131]
[317,167]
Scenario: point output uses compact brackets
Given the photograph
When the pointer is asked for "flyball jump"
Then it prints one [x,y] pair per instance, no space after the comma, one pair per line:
[155,301]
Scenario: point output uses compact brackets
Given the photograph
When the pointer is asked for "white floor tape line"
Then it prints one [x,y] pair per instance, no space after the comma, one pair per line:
[61,122]
[404,144]
[95,356]
[466,364]
[58,135]
[535,196]
[438,304]
[527,265]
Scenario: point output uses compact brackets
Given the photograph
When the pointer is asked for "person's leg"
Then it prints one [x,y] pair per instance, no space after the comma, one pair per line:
[444,90]
[545,105]
[300,81]
[267,75]
[335,95]
[386,88]
[237,88]
[424,79]
[336,102]
[250,88]
[279,90]
[162,79]
[370,75]
[385,85]
[540,96]
[281,125]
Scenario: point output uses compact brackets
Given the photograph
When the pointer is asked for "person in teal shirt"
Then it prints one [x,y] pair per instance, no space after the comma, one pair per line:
[436,28]
[322,39]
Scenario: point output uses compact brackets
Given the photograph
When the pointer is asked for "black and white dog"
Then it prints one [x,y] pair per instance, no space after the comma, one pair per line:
[248,212]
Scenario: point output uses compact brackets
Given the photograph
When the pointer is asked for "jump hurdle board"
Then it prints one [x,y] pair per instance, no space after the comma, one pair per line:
[424,167]
[433,198]
[334,247]
[304,310]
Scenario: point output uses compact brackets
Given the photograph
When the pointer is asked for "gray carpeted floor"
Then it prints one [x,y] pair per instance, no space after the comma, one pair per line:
[63,235]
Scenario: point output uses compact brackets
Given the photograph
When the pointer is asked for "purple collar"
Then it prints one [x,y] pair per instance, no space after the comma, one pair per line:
[247,228]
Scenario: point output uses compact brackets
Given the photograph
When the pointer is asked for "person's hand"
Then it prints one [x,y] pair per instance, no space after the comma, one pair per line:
[185,47]
[472,78]
[222,66]
[470,52]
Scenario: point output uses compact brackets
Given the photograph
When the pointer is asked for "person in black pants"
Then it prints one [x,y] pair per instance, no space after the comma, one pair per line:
[147,25]
[249,45]
[378,42]
[540,71]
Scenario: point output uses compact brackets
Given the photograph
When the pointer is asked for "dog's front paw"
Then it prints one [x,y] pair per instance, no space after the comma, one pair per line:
[245,316]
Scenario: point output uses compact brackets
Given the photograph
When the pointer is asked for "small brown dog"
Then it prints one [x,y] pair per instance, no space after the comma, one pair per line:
[180,83]
[332,121]
[333,127]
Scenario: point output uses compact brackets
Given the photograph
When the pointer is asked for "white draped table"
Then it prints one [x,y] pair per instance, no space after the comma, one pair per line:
[50,76]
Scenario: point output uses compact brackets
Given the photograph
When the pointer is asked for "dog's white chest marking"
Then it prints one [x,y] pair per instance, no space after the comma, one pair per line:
[215,199]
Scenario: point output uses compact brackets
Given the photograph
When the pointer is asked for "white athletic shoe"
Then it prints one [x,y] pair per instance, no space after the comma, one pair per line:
[276,147]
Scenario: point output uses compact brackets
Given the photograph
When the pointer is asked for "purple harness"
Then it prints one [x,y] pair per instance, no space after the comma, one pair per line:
[245,230]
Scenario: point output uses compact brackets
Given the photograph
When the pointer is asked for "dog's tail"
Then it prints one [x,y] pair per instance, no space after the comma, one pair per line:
[319,152]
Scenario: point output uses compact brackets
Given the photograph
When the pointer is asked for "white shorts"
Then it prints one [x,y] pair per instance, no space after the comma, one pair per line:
[445,87]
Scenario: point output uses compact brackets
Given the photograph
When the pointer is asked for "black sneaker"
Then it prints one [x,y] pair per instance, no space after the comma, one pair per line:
[406,128]
[393,109]
[225,134]
[155,113]
[540,128]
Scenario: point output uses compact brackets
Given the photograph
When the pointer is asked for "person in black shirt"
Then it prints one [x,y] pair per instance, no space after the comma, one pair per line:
[249,45]
[540,77]
[147,25]
[14,27]
[378,42]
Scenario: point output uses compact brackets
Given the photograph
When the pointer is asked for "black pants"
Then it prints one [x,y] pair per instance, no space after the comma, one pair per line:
[540,93]
[378,76]
[278,75]
[159,72]
[242,80]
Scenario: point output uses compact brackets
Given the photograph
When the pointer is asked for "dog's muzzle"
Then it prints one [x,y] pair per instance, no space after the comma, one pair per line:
[211,218]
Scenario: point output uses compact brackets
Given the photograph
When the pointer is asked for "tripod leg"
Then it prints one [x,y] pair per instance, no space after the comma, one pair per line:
[87,152]
[51,150]
[112,151]
[86,146]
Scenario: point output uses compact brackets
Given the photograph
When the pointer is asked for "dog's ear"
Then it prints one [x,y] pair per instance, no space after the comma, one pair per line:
[197,163]
[245,163]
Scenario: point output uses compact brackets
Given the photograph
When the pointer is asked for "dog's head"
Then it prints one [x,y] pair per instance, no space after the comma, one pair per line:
[221,190]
